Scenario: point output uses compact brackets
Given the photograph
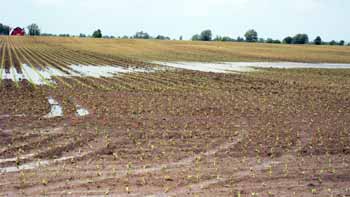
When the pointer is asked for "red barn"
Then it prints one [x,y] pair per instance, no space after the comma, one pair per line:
[18,32]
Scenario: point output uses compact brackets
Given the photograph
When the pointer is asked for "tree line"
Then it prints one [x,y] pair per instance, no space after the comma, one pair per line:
[4,29]
[206,35]
[98,34]
[252,36]
[33,29]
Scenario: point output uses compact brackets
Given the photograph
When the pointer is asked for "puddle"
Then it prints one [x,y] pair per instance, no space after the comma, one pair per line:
[36,77]
[15,158]
[98,71]
[81,111]
[44,76]
[56,109]
[34,165]
[293,65]
[12,75]
[9,116]
[237,67]
[206,67]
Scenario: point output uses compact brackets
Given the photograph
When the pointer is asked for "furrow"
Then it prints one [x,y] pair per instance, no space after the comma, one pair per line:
[41,59]
[23,54]
[61,66]
[2,63]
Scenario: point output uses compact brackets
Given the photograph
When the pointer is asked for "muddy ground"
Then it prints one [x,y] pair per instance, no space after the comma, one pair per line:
[179,133]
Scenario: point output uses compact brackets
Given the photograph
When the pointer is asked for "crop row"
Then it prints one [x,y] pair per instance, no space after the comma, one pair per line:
[40,55]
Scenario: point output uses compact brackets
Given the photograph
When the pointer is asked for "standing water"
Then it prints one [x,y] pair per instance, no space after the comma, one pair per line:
[56,109]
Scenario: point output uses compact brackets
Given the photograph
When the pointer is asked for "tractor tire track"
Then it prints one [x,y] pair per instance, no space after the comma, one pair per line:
[186,162]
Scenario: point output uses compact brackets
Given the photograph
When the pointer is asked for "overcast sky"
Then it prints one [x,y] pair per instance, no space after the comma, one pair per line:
[271,18]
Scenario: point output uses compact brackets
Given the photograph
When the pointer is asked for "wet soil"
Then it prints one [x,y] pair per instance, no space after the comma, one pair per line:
[182,133]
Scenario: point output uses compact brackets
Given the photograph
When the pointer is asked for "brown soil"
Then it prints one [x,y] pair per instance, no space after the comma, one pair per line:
[204,135]
[178,133]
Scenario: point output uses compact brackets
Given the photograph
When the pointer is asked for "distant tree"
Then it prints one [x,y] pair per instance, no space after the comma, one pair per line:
[261,40]
[125,37]
[196,37]
[64,35]
[223,39]
[82,35]
[272,41]
[4,29]
[181,38]
[288,40]
[161,37]
[217,38]
[318,40]
[341,43]
[33,30]
[333,42]
[97,34]
[206,35]
[240,39]
[227,39]
[269,40]
[47,34]
[142,35]
[111,37]
[300,39]
[251,36]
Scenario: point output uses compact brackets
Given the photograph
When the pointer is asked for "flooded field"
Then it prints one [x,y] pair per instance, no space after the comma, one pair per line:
[45,75]
[209,67]
[77,122]
[237,67]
